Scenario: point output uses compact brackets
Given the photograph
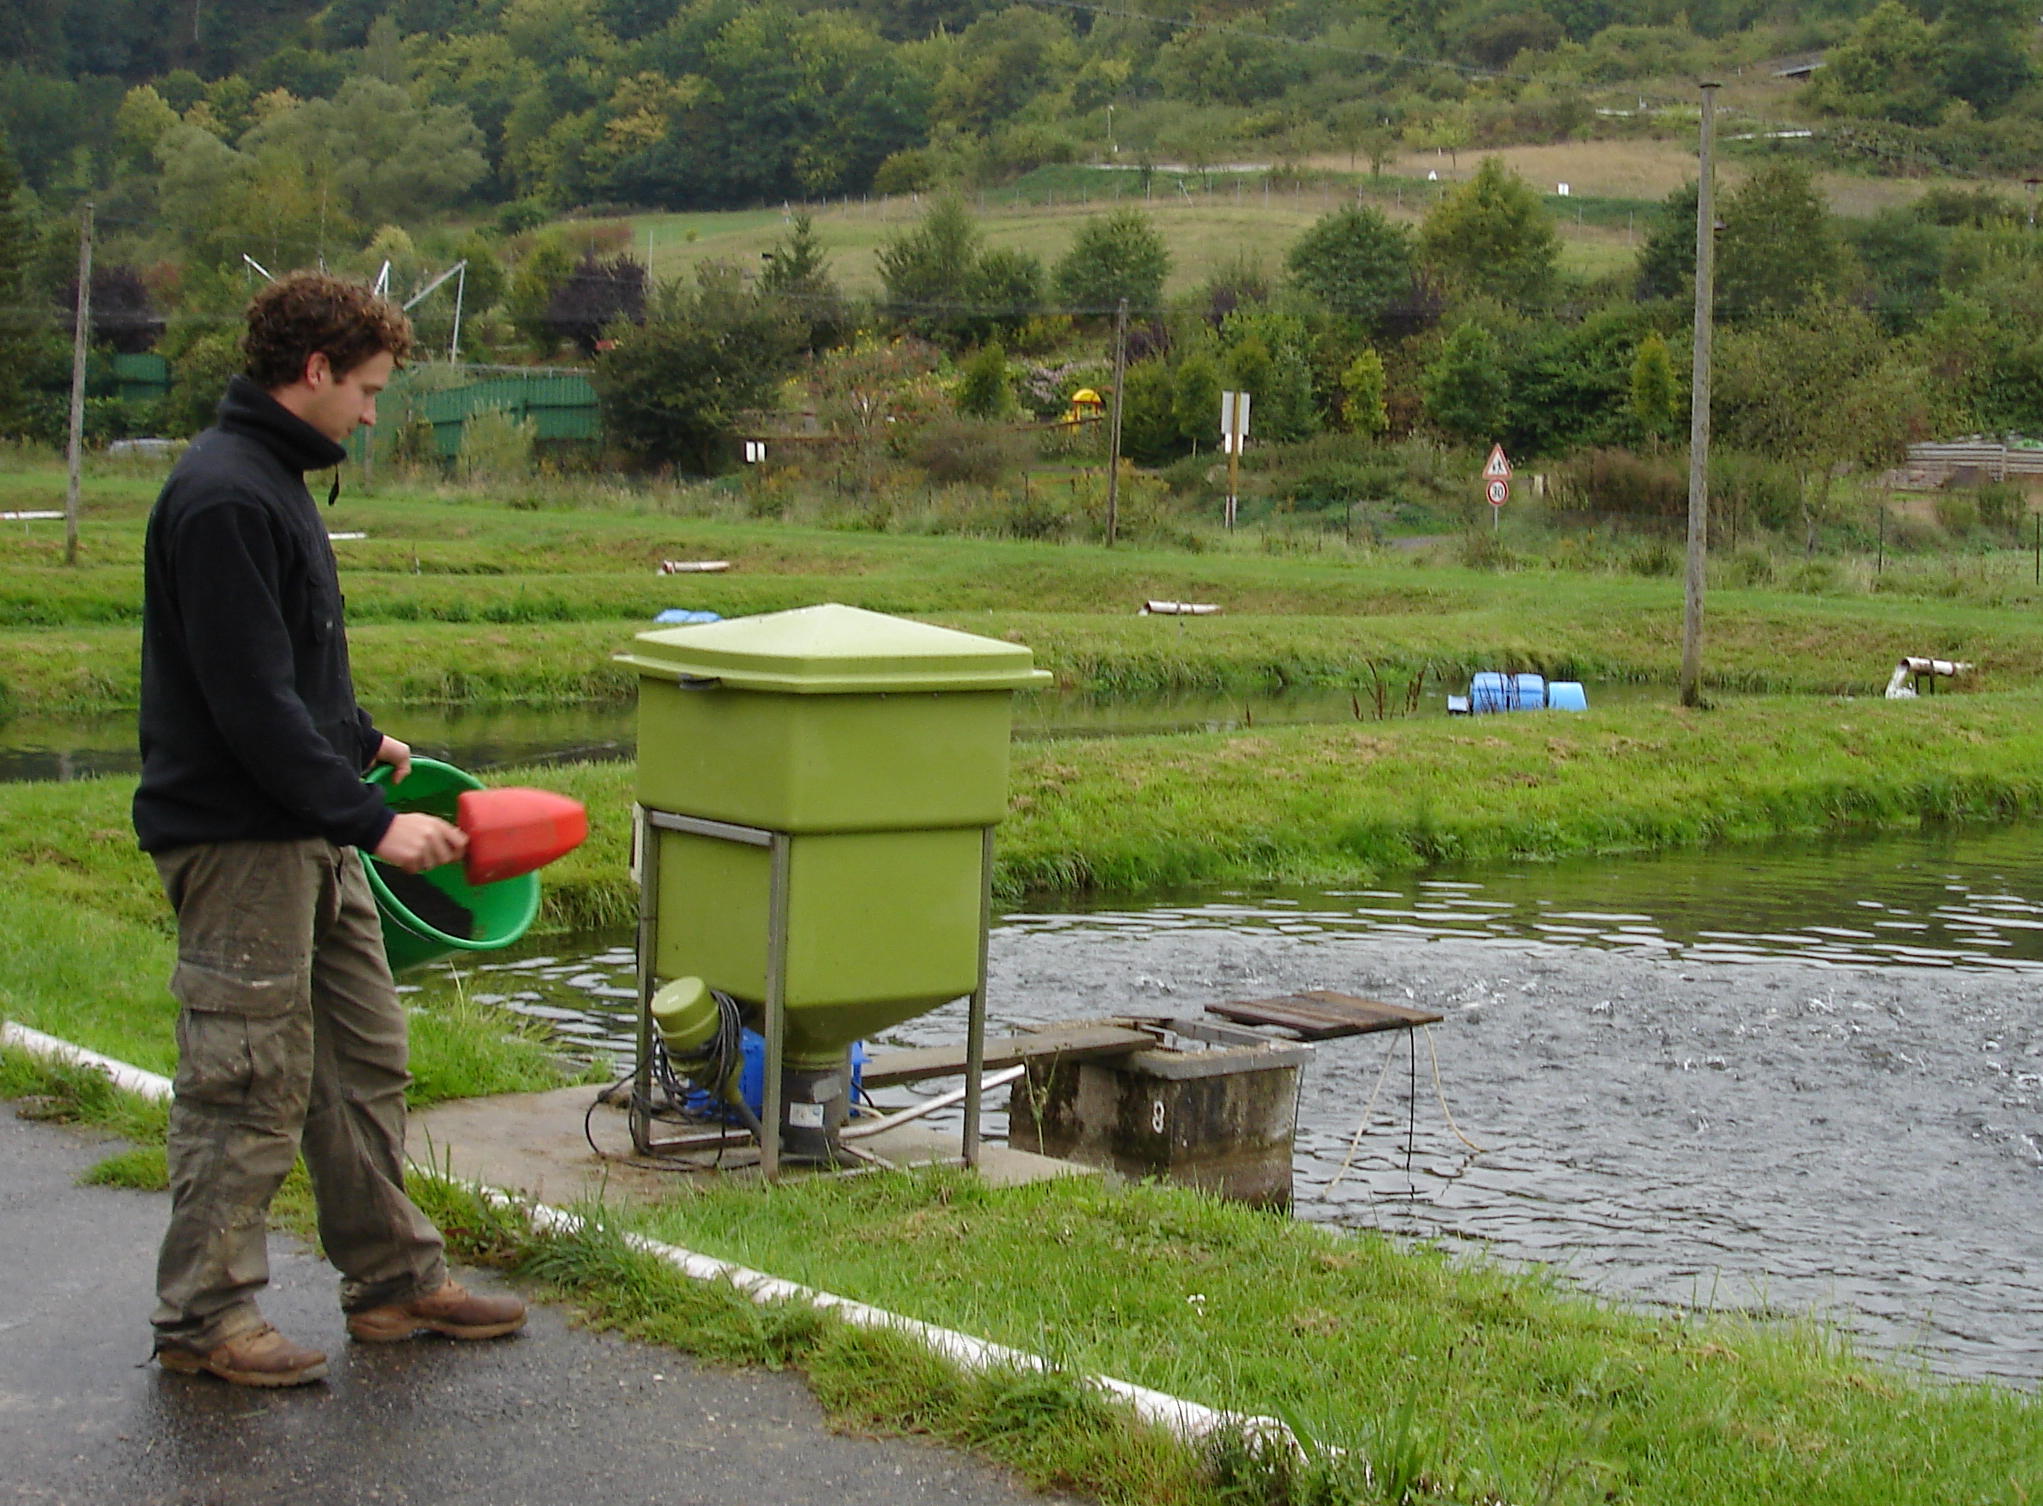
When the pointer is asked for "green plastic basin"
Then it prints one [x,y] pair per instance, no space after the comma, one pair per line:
[503,911]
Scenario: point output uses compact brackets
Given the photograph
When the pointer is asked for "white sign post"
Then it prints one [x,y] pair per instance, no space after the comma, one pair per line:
[1497,483]
[1234,427]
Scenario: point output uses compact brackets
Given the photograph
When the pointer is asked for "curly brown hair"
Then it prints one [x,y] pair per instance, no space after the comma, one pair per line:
[309,311]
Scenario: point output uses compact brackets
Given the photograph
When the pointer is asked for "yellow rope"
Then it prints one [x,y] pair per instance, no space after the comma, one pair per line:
[1362,1127]
[1441,1094]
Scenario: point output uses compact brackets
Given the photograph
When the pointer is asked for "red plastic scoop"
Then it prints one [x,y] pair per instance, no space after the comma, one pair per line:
[513,831]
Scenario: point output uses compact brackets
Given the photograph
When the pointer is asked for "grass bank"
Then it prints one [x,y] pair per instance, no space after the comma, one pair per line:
[90,940]
[1436,1379]
[89,944]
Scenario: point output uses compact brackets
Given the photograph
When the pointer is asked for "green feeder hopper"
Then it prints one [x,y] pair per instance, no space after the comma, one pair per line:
[819,790]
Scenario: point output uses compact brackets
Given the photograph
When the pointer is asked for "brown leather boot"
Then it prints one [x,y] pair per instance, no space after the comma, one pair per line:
[453,1310]
[258,1357]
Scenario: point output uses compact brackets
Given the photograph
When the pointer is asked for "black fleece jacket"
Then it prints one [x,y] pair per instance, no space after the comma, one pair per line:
[250,730]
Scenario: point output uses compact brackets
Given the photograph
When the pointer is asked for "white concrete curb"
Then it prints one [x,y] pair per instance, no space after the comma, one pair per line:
[134,1079]
[1188,1420]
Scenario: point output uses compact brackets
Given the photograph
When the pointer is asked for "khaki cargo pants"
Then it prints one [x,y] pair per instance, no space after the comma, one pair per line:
[290,1037]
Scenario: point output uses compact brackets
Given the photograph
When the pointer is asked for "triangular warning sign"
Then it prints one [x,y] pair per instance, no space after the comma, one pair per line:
[1499,467]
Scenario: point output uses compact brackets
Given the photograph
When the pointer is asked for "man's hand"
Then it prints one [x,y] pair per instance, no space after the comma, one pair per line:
[398,756]
[417,841]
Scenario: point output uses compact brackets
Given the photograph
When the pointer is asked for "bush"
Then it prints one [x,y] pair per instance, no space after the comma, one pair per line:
[1748,566]
[1618,481]
[1334,470]
[1958,512]
[960,451]
[985,389]
[1750,489]
[496,447]
[2003,505]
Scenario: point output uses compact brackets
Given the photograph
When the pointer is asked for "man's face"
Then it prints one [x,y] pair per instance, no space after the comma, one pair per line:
[335,404]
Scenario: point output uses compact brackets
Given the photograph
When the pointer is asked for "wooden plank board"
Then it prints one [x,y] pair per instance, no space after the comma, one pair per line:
[1072,1042]
[1319,1014]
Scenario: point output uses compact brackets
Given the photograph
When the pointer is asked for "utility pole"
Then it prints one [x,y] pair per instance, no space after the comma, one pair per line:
[1699,402]
[1114,424]
[81,336]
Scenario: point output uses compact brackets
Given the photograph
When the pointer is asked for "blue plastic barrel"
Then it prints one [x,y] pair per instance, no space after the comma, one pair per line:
[1528,692]
[1489,691]
[1566,695]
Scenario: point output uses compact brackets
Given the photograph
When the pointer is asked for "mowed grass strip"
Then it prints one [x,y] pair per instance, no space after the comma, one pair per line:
[1486,1384]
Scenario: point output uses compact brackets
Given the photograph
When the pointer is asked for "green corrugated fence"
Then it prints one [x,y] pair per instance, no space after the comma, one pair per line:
[560,403]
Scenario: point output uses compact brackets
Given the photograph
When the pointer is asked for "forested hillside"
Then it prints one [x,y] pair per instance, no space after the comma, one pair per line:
[513,138]
[430,104]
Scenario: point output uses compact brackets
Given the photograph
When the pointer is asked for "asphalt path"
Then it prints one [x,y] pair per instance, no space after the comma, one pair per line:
[555,1417]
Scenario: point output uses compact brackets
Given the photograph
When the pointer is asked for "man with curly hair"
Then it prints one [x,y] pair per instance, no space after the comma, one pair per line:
[290,1034]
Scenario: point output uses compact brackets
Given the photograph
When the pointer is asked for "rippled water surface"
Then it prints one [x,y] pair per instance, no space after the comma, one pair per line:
[1808,1077]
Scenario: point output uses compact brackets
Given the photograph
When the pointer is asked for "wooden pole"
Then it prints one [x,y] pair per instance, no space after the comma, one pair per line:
[81,337]
[1699,404]
[1114,427]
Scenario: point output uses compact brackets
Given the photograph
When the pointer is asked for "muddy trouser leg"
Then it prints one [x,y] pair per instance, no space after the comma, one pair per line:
[244,1073]
[385,1248]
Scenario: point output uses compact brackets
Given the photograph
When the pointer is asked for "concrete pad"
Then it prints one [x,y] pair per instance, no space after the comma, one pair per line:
[534,1143]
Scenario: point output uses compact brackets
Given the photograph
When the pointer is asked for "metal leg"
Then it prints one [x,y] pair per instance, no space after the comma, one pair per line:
[975,1016]
[640,1112]
[776,1009]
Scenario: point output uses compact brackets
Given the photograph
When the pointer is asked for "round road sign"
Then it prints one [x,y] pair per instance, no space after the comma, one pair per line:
[1499,492]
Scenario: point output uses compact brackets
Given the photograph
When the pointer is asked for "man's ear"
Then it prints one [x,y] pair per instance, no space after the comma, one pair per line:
[318,369]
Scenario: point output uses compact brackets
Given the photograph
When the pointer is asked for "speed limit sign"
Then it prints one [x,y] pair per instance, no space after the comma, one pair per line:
[1499,492]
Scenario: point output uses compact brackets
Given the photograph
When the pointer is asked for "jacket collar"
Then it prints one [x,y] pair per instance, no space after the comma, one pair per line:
[248,409]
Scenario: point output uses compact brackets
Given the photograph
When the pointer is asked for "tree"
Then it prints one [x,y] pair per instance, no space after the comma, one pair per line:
[672,389]
[1464,387]
[926,273]
[1667,258]
[1195,398]
[545,267]
[1779,249]
[1653,391]
[1268,353]
[1354,261]
[1491,235]
[17,246]
[590,301]
[124,313]
[1004,292]
[1821,390]
[1363,386]
[1113,256]
[1149,427]
[798,273]
[985,389]
[1888,67]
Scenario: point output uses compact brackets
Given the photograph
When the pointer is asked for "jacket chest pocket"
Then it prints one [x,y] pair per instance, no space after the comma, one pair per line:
[324,613]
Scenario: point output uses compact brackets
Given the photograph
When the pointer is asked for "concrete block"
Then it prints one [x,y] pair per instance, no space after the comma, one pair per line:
[1209,1106]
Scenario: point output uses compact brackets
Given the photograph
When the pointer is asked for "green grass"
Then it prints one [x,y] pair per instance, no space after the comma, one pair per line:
[455,600]
[1451,1380]
[1207,218]
[1125,817]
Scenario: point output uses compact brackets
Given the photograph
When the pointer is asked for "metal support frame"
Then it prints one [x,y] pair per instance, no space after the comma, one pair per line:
[780,849]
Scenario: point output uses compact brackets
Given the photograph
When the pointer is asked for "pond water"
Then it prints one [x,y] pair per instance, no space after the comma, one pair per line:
[1799,1077]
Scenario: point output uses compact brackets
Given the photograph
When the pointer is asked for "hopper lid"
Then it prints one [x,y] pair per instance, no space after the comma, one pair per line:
[833,650]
